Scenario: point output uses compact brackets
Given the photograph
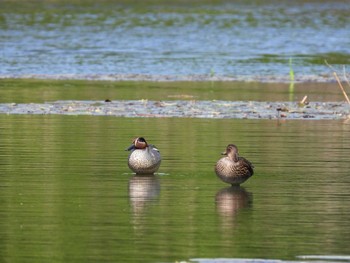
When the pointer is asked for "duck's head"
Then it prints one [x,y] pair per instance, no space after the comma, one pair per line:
[231,151]
[231,148]
[138,143]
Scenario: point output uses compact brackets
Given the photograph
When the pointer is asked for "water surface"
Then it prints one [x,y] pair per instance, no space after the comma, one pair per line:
[240,39]
[68,195]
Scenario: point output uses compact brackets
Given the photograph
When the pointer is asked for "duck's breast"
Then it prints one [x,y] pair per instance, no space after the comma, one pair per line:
[144,161]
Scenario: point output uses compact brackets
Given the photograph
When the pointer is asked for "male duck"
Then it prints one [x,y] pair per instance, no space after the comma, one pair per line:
[144,158]
[233,169]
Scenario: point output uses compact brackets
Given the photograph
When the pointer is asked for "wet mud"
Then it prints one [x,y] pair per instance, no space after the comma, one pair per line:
[187,109]
[328,78]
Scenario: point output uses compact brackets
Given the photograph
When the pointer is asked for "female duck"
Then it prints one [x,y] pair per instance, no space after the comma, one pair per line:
[233,169]
[144,158]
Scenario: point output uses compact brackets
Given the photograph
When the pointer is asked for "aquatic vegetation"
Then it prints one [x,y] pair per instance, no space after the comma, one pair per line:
[291,71]
[291,77]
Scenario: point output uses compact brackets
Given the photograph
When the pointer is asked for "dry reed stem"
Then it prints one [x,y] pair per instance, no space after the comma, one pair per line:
[341,87]
[345,77]
[339,82]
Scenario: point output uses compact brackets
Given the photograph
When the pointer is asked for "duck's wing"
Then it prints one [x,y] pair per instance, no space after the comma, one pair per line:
[244,162]
[152,146]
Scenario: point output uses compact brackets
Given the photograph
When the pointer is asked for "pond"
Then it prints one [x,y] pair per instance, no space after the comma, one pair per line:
[67,194]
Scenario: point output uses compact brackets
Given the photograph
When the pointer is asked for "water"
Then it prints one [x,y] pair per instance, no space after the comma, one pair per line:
[67,194]
[240,39]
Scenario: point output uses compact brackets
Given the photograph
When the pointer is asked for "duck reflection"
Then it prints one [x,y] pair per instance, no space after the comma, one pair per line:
[143,189]
[229,201]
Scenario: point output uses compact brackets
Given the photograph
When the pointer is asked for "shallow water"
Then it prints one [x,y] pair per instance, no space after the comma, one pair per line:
[241,39]
[68,195]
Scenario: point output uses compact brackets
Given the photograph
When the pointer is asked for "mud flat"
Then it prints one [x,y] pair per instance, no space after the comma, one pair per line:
[324,78]
[187,109]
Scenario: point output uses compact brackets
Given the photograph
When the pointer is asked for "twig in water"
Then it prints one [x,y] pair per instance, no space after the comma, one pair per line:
[304,101]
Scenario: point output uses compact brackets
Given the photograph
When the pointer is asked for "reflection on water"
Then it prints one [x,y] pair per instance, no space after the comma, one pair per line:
[67,193]
[231,199]
[143,189]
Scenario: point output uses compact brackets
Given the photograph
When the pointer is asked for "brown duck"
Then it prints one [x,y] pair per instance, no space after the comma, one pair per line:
[233,169]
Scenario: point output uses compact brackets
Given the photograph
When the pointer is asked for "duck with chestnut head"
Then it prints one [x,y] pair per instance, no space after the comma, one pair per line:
[144,158]
[233,169]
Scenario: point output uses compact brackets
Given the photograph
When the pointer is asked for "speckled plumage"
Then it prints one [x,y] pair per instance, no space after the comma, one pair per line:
[144,158]
[233,169]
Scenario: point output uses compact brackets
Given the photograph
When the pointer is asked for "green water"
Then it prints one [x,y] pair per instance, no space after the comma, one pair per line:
[67,194]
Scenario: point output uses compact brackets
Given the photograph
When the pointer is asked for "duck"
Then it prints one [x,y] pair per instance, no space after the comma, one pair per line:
[233,169]
[144,158]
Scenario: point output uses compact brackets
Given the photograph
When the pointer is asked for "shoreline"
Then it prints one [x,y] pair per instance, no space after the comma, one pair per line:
[186,109]
[329,78]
